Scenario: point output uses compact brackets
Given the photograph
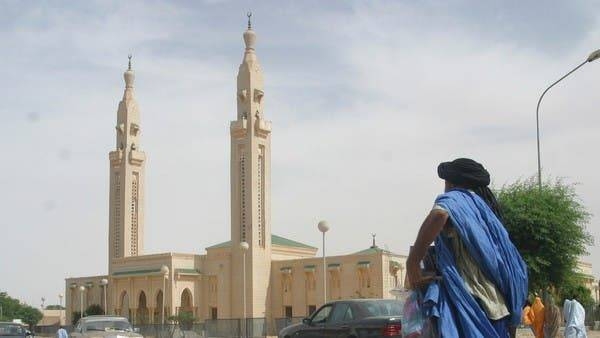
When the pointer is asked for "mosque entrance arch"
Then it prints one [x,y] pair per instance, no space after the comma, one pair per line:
[125,310]
[158,307]
[142,309]
[187,302]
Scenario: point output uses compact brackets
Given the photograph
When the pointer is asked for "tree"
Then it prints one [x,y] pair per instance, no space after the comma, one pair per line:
[13,309]
[94,309]
[30,315]
[548,228]
[55,307]
[575,289]
[75,316]
[184,319]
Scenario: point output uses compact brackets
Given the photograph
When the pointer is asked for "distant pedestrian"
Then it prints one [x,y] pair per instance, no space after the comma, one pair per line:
[528,315]
[538,317]
[552,317]
[574,314]
[62,333]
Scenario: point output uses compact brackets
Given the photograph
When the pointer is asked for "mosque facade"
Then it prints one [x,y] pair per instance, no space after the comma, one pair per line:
[282,277]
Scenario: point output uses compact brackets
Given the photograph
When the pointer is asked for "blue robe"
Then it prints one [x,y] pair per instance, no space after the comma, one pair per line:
[485,238]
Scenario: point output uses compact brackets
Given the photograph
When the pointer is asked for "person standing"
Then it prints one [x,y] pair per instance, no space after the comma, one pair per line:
[528,317]
[552,317]
[574,314]
[483,284]
[62,333]
[538,317]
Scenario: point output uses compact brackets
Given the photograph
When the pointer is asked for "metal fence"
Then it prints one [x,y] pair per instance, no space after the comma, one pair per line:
[280,323]
[217,328]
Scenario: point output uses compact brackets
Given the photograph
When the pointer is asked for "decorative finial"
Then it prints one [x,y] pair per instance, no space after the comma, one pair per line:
[249,15]
[374,235]
[129,57]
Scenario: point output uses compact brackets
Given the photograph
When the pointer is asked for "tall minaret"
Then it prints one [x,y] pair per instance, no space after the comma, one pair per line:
[126,223]
[250,186]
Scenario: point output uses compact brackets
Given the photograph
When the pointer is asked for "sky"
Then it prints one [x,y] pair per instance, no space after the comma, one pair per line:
[366,99]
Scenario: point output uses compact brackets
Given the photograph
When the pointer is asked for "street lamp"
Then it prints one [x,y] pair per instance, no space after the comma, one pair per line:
[244,246]
[104,283]
[165,271]
[592,57]
[60,297]
[401,267]
[82,290]
[396,292]
[323,228]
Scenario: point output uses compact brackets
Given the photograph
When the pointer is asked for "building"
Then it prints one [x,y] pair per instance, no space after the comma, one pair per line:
[282,278]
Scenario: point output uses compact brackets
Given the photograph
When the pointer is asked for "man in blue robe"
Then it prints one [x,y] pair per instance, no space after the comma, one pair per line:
[481,282]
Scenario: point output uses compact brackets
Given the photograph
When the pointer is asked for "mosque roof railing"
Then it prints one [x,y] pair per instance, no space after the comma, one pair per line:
[275,240]
[136,272]
[188,272]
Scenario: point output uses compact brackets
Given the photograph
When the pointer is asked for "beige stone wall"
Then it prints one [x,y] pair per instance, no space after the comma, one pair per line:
[74,298]
[299,283]
[52,317]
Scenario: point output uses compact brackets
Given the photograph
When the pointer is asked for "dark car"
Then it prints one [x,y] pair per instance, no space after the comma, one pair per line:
[13,330]
[354,318]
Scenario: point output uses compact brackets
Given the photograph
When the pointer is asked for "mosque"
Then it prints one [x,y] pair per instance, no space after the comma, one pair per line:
[282,278]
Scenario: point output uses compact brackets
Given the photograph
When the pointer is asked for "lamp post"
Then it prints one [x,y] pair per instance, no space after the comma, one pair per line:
[396,292]
[60,297]
[401,282]
[165,271]
[323,228]
[592,57]
[244,247]
[82,290]
[104,283]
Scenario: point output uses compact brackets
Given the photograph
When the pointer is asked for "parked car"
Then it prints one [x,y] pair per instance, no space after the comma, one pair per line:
[355,318]
[103,326]
[13,330]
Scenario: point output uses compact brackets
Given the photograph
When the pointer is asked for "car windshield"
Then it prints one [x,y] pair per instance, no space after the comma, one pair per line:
[108,325]
[382,308]
[11,330]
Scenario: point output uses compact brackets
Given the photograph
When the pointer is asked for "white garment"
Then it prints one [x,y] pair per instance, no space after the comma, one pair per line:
[574,315]
[62,333]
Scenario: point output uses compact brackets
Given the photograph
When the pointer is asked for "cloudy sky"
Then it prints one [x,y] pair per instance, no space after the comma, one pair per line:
[366,98]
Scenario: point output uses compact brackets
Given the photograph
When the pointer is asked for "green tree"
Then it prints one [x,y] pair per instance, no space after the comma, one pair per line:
[75,316]
[548,228]
[13,309]
[184,319]
[575,289]
[94,309]
[29,315]
[55,307]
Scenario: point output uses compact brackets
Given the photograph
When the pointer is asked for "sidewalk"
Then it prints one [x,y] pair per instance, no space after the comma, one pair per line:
[526,333]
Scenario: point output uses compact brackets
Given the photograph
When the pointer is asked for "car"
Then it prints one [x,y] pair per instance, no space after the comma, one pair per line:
[14,330]
[103,326]
[354,318]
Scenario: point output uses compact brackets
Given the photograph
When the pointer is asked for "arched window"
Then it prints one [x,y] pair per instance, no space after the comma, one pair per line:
[186,301]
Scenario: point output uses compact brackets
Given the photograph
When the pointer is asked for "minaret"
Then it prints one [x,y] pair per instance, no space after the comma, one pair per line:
[250,186]
[126,223]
